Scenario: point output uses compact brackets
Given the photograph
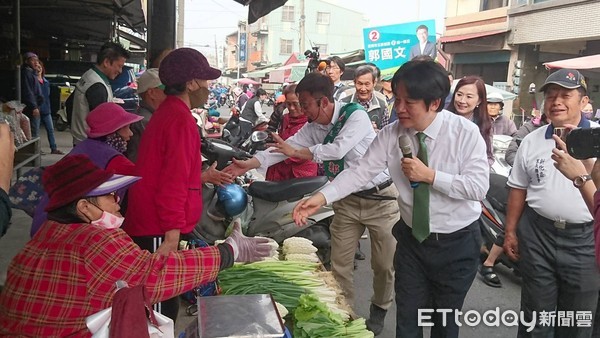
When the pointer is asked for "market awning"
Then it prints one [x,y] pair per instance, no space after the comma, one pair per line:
[260,73]
[584,62]
[260,8]
[83,21]
[462,37]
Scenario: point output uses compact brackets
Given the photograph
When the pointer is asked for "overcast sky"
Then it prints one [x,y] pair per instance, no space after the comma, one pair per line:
[206,20]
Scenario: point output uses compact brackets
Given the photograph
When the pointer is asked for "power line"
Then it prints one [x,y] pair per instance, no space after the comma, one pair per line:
[225,8]
[224,27]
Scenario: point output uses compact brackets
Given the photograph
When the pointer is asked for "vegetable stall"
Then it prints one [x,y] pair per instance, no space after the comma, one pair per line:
[307,296]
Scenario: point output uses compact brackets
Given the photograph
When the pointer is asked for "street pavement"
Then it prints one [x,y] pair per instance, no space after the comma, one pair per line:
[480,297]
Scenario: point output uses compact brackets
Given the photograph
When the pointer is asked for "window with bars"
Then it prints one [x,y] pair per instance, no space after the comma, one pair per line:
[322,48]
[492,4]
[285,46]
[287,13]
[323,18]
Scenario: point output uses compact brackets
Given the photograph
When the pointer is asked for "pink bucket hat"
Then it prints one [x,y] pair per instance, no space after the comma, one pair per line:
[107,118]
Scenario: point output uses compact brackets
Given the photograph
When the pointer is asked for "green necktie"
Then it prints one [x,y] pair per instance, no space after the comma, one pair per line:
[420,219]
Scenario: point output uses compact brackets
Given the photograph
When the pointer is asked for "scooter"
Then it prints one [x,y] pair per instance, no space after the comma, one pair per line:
[493,216]
[222,99]
[230,101]
[235,136]
[500,145]
[493,207]
[257,141]
[269,206]
[61,123]
[270,101]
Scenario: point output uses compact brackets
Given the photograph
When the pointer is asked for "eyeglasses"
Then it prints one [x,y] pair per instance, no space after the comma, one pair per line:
[94,199]
[114,196]
[331,67]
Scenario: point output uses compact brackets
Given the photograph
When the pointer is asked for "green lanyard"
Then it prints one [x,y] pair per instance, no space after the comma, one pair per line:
[334,167]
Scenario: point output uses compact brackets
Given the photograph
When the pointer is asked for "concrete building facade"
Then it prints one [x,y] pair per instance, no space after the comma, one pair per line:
[507,42]
[551,30]
[296,27]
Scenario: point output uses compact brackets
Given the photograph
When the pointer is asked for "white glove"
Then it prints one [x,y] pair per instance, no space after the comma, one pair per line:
[247,249]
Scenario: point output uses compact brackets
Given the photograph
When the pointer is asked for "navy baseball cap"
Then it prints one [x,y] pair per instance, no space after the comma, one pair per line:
[566,78]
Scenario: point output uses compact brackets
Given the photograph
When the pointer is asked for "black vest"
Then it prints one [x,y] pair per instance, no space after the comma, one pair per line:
[248,113]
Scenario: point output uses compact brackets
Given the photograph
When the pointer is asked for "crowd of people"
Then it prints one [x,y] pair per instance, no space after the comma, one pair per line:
[421,212]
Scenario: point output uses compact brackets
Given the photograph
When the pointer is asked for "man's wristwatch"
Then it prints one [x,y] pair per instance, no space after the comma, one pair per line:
[579,181]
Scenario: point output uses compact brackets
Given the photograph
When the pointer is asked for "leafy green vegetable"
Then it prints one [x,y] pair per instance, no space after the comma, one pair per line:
[313,319]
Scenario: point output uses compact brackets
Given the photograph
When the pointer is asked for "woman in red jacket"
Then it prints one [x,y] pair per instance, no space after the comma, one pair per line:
[293,120]
[167,203]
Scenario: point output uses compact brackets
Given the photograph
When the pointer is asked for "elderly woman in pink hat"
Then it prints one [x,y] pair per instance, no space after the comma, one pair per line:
[108,133]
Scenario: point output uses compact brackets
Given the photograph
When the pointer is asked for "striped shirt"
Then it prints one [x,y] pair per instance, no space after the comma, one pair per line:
[68,272]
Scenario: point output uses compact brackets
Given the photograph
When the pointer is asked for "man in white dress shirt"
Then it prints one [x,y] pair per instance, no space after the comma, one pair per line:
[440,188]
[338,136]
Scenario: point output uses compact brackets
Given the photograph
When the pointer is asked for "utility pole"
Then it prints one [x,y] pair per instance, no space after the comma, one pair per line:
[302,19]
[180,22]
[17,23]
[216,53]
[237,52]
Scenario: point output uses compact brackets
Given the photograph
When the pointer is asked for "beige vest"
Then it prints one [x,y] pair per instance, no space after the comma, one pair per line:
[81,107]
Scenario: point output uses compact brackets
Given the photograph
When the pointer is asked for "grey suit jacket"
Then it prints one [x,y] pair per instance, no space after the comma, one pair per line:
[429,50]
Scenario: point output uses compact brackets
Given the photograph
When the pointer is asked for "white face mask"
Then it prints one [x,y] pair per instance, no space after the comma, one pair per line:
[108,221]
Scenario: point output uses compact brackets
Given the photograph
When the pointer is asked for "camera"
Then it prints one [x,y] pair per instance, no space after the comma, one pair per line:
[313,59]
[312,54]
[584,143]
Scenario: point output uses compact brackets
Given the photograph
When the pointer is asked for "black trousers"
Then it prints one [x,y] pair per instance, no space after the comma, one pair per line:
[433,274]
[169,307]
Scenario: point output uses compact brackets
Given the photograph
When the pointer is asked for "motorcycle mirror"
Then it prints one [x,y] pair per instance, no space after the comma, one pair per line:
[259,136]
[226,135]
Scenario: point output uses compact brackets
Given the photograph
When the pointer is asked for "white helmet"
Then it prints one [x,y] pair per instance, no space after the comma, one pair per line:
[495,97]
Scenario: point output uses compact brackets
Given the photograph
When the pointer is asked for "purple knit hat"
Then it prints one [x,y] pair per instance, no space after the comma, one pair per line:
[183,65]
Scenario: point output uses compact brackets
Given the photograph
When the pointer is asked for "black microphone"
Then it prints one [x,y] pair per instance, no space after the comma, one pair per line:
[404,144]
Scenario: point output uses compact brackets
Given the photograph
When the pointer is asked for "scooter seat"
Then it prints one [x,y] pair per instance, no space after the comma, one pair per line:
[286,190]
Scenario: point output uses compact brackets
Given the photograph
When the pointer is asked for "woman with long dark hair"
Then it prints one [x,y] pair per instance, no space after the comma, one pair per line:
[469,101]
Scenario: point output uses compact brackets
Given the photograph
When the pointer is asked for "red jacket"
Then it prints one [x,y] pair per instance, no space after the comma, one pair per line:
[291,167]
[169,195]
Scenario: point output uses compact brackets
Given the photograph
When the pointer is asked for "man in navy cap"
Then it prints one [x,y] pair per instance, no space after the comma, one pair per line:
[548,225]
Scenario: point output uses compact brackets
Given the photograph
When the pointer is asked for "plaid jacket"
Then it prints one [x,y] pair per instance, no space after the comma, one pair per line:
[68,272]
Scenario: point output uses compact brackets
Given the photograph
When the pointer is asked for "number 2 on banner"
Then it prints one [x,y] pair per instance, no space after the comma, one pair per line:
[374,35]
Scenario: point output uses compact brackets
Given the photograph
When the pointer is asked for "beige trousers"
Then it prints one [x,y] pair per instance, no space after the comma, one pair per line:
[352,215]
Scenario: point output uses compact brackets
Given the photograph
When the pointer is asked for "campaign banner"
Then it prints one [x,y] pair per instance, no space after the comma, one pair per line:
[391,46]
